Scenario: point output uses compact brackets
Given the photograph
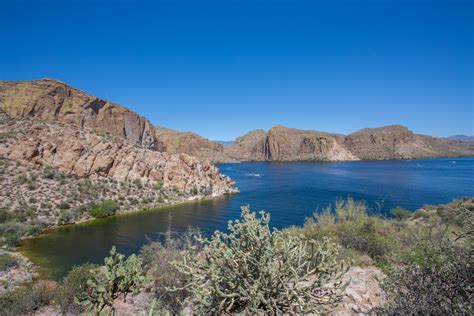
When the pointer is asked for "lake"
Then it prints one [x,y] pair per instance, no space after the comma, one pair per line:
[290,191]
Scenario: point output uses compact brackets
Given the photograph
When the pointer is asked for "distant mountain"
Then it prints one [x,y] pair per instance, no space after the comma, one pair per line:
[225,143]
[462,138]
[390,142]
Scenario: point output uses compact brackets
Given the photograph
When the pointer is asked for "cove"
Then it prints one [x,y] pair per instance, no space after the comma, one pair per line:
[291,192]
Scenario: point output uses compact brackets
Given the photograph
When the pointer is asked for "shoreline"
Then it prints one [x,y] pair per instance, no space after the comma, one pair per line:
[89,220]
[36,268]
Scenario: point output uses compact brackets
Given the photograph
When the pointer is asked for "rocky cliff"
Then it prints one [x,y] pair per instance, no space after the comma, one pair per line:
[249,147]
[290,144]
[53,101]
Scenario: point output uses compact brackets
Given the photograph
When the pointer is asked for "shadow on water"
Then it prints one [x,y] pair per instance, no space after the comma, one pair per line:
[290,191]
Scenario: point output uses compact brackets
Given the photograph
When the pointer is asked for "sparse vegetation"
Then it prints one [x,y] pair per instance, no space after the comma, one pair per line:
[254,269]
[426,256]
[7,261]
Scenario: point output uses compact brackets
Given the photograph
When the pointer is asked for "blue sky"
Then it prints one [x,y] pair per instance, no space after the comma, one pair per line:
[221,68]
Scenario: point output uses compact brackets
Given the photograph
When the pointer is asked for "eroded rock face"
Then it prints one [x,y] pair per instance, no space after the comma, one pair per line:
[289,144]
[86,154]
[249,147]
[53,101]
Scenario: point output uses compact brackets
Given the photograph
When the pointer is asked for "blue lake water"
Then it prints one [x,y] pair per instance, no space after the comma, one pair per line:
[291,192]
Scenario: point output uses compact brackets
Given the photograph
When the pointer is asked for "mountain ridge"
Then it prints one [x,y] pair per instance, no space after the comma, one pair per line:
[51,100]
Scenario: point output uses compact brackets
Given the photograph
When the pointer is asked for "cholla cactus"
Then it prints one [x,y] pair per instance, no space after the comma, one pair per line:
[117,276]
[254,269]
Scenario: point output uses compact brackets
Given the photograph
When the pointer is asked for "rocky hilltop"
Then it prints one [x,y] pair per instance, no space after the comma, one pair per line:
[53,101]
[398,142]
[83,154]
[176,142]
[391,142]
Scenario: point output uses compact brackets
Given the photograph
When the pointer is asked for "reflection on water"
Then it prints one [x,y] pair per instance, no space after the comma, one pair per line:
[290,191]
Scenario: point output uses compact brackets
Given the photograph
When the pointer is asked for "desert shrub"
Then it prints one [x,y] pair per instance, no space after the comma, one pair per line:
[440,283]
[11,240]
[119,275]
[73,288]
[22,179]
[7,261]
[350,225]
[254,269]
[148,199]
[158,258]
[158,185]
[48,172]
[64,205]
[5,215]
[34,230]
[66,217]
[25,300]
[11,232]
[400,213]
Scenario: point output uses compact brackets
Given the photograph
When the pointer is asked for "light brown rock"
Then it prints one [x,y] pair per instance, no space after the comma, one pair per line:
[53,101]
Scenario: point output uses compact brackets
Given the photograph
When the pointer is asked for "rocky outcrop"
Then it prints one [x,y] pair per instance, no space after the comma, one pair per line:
[53,101]
[363,293]
[86,154]
[289,144]
[176,142]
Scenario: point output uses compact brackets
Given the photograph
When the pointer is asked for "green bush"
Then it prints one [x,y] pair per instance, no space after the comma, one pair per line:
[100,213]
[7,261]
[254,269]
[73,288]
[105,208]
[351,226]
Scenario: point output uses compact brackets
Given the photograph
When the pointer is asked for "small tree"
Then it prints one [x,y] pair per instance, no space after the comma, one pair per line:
[254,269]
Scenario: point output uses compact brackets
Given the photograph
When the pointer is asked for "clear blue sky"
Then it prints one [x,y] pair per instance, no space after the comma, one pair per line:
[221,68]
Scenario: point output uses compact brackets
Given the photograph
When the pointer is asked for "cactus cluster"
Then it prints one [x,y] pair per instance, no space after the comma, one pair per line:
[255,269]
[118,275]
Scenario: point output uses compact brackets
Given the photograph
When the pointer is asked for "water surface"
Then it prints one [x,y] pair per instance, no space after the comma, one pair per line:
[290,191]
